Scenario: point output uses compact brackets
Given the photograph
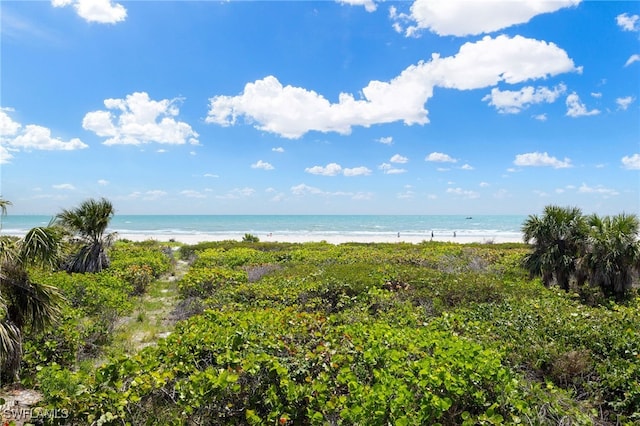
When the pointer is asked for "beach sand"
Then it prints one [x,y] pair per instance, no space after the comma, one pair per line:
[332,239]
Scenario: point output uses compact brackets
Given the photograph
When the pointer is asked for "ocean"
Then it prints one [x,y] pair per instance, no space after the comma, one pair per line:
[313,227]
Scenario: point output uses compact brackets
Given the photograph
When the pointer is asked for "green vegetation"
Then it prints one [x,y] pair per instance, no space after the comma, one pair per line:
[375,334]
[86,225]
[26,305]
[566,245]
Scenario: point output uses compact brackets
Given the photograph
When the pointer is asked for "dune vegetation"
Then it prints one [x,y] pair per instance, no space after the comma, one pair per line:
[248,332]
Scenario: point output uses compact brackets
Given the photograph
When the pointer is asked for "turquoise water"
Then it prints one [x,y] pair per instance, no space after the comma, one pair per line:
[485,226]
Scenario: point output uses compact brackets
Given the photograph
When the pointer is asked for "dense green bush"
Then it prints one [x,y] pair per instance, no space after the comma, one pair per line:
[270,366]
[91,293]
[367,334]
[153,256]
[202,282]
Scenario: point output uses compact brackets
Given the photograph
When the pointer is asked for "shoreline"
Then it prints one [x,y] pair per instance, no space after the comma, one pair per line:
[332,239]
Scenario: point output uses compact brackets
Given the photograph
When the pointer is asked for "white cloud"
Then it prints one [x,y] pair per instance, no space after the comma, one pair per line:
[237,193]
[623,103]
[64,187]
[369,5]
[575,107]
[278,149]
[357,171]
[599,189]
[331,169]
[512,102]
[192,193]
[388,140]
[8,127]
[461,18]
[100,11]
[5,155]
[103,182]
[293,111]
[15,137]
[484,184]
[138,120]
[440,157]
[399,159]
[628,22]
[388,169]
[463,193]
[334,169]
[38,137]
[262,165]
[304,189]
[466,167]
[632,59]
[631,162]
[540,117]
[211,175]
[596,95]
[541,159]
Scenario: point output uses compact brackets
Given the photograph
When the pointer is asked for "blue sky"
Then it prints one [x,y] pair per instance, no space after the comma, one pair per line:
[321,107]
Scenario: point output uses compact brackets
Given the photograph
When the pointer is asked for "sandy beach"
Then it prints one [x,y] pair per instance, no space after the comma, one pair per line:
[332,239]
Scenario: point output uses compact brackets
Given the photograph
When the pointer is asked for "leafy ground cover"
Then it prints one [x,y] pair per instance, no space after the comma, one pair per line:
[374,334]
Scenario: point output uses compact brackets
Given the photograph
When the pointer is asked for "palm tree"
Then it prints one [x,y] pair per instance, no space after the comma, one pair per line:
[557,238]
[24,304]
[87,224]
[612,252]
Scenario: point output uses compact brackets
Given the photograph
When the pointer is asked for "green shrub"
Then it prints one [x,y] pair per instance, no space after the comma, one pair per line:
[250,238]
[152,256]
[202,282]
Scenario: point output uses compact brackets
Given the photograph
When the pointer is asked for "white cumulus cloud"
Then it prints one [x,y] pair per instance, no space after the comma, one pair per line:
[331,169]
[237,193]
[262,165]
[598,189]
[576,108]
[631,162]
[293,111]
[399,159]
[440,157]
[628,22]
[100,11]
[64,186]
[461,18]
[623,103]
[137,119]
[514,101]
[387,140]
[369,5]
[464,193]
[357,171]
[541,159]
[388,169]
[15,137]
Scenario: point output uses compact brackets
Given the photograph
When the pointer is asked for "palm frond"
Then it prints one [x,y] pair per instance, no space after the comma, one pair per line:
[41,245]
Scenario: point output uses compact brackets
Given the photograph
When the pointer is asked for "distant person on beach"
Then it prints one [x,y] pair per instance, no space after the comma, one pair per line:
[454,234]
[398,235]
[431,234]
